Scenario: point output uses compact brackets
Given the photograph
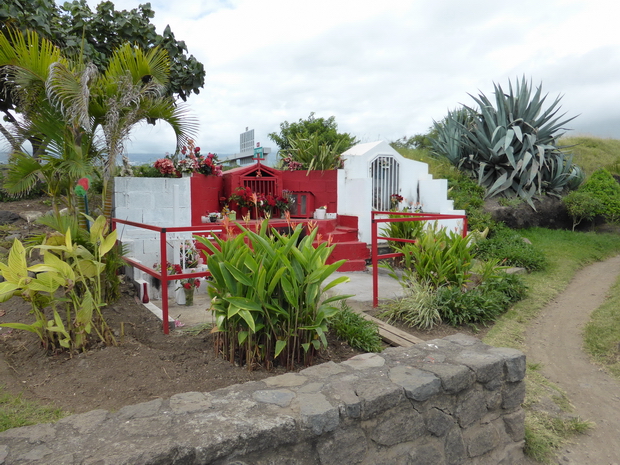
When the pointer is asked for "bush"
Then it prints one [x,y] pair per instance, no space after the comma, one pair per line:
[603,187]
[509,248]
[418,309]
[582,206]
[481,304]
[359,333]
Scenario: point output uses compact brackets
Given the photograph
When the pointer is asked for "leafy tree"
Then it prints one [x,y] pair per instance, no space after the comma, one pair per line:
[78,31]
[326,131]
[510,148]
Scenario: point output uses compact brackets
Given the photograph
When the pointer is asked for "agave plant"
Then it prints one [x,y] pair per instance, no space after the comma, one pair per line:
[510,147]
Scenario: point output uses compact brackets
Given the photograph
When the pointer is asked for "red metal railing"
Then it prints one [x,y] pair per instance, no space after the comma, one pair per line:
[403,217]
[163,275]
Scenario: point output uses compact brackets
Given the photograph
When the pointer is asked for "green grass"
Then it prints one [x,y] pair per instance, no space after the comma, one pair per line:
[592,153]
[16,412]
[602,333]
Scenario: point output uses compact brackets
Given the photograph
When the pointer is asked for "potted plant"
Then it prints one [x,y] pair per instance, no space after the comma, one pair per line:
[320,212]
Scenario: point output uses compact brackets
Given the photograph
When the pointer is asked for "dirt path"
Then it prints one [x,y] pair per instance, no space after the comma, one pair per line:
[555,340]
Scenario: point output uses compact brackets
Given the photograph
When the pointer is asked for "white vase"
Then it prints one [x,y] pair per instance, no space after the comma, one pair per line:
[180,296]
[319,213]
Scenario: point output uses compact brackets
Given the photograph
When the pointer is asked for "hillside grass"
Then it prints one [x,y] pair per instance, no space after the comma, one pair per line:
[592,153]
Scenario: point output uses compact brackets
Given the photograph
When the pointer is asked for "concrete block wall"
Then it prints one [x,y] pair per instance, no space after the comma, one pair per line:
[447,401]
[163,202]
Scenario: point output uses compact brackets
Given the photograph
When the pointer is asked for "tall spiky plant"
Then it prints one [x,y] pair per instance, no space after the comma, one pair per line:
[511,146]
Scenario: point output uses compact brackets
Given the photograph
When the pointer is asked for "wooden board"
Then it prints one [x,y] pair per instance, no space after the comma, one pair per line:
[392,335]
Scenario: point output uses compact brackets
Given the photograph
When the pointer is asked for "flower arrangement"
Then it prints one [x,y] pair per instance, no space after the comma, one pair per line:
[166,166]
[290,164]
[282,202]
[193,162]
[395,200]
[214,216]
[323,207]
[243,197]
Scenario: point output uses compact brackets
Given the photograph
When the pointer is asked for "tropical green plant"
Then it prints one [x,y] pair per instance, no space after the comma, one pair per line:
[417,309]
[510,149]
[439,257]
[481,304]
[409,230]
[309,153]
[94,35]
[66,292]
[581,206]
[266,295]
[358,332]
[604,188]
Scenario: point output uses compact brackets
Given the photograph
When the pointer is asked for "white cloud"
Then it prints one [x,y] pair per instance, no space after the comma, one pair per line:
[385,69]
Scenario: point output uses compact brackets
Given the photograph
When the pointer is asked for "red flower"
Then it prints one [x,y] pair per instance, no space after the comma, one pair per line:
[187,286]
[177,269]
[196,283]
[197,149]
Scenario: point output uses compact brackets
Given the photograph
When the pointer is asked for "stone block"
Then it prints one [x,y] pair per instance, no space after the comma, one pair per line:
[480,440]
[427,454]
[486,366]
[317,414]
[418,385]
[397,426]
[514,363]
[515,425]
[454,378]
[378,395]
[438,422]
[454,446]
[471,406]
[345,446]
[513,395]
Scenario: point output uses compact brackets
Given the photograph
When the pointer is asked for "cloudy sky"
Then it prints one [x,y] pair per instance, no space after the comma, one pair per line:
[385,69]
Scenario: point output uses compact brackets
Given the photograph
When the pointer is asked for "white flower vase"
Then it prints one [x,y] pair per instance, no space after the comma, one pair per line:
[319,213]
[180,296]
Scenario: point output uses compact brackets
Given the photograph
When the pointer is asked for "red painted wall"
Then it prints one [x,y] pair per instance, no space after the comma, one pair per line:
[323,184]
[205,192]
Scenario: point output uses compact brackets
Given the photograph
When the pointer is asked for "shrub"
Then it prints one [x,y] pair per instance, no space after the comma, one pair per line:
[509,248]
[481,304]
[401,230]
[606,190]
[581,206]
[359,333]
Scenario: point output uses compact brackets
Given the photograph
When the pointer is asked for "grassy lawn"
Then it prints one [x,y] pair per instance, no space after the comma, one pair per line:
[16,412]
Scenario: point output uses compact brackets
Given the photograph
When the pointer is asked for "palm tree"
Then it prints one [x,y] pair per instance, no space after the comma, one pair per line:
[130,91]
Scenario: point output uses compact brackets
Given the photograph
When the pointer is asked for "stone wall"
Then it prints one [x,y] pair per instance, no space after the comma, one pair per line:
[448,401]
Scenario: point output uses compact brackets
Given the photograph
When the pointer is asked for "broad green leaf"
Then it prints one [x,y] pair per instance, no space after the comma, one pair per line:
[280,345]
[249,319]
[7,290]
